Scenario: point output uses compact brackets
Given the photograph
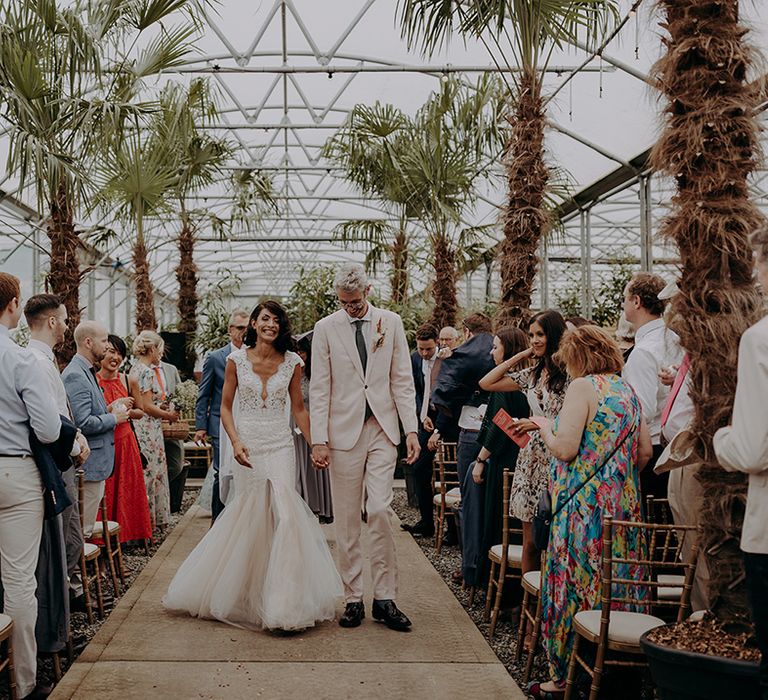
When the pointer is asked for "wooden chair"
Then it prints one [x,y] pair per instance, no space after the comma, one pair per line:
[506,559]
[89,555]
[445,483]
[6,637]
[110,541]
[666,547]
[200,457]
[530,614]
[619,631]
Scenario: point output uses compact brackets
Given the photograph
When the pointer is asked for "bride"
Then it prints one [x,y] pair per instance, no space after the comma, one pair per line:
[265,563]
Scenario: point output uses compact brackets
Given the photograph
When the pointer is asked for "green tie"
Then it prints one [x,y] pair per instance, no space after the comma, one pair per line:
[360,342]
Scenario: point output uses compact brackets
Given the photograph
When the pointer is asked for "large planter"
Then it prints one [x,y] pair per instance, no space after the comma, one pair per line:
[687,675]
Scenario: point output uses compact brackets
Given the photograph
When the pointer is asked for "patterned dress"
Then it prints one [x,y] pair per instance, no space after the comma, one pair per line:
[571,576]
[125,490]
[149,432]
[532,470]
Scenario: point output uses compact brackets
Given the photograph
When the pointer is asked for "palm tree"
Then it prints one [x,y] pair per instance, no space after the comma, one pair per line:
[68,82]
[710,146]
[529,30]
[367,148]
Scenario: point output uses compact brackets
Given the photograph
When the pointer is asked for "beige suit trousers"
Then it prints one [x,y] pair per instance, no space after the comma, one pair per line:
[368,468]
[21,526]
[685,497]
[93,492]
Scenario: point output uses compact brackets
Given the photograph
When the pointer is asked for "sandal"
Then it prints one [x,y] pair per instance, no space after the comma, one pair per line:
[536,691]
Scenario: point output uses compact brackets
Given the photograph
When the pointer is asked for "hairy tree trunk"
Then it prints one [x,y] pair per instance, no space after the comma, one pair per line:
[444,285]
[399,278]
[710,146]
[64,276]
[525,218]
[186,275]
[145,304]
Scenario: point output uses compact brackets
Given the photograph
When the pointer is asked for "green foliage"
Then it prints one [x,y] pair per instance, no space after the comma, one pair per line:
[607,297]
[311,297]
[213,329]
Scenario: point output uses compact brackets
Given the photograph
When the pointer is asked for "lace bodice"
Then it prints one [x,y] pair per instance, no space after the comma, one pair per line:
[251,388]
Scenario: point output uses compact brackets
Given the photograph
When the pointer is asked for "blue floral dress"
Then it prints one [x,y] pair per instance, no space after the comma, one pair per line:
[571,575]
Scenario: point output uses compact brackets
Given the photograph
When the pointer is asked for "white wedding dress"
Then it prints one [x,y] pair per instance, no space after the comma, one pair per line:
[265,563]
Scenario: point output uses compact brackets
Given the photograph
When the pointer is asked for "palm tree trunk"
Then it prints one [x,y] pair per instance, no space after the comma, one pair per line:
[709,145]
[186,275]
[399,278]
[145,305]
[64,276]
[525,219]
[444,285]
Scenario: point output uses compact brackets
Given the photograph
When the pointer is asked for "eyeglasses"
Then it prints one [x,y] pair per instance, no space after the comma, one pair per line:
[239,328]
[357,304]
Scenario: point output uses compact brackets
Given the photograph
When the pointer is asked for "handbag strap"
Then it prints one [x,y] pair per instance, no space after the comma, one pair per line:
[594,473]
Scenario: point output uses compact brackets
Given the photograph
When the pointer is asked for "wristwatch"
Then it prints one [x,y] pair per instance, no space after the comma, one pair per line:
[481,461]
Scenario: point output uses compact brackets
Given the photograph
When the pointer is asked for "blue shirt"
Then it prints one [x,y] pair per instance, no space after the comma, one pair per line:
[25,400]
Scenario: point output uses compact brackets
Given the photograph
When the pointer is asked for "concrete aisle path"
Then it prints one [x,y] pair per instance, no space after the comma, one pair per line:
[144,652]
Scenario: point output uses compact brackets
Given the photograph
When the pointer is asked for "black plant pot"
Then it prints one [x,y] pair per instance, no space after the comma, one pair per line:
[687,675]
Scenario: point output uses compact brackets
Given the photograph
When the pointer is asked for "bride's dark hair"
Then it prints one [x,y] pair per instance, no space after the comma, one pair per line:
[284,340]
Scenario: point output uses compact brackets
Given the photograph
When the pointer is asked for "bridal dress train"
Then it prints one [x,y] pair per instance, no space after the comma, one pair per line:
[265,563]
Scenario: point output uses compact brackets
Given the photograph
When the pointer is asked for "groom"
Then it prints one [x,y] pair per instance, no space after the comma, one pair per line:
[361,384]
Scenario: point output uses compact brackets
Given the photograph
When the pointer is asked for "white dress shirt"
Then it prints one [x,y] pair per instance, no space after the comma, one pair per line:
[655,347]
[24,401]
[681,413]
[46,360]
[366,326]
[743,445]
[426,370]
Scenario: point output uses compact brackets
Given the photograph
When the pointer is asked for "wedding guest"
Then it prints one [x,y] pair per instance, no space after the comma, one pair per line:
[146,385]
[46,317]
[448,340]
[625,336]
[598,441]
[544,385]
[26,407]
[125,492]
[458,395]
[576,322]
[208,406]
[743,446]
[314,485]
[174,449]
[655,347]
[498,451]
[425,366]
[93,416]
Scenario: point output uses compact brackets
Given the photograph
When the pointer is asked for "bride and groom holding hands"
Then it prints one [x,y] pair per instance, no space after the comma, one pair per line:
[265,564]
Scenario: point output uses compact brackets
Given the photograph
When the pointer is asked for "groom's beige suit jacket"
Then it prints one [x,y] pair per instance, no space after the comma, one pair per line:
[339,388]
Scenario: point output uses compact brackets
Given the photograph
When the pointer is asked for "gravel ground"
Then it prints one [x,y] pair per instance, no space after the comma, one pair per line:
[504,642]
[135,559]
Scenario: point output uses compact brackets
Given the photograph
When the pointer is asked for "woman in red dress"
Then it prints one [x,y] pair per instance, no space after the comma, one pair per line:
[124,491]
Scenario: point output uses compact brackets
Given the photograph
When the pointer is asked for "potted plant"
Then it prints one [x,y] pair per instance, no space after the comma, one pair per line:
[710,145]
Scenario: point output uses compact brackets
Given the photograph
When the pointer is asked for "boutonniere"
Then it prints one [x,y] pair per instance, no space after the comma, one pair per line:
[381,334]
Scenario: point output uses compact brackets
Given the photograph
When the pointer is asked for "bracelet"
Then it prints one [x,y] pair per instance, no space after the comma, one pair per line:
[481,461]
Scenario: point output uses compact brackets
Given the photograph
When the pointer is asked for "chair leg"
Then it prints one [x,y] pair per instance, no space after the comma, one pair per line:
[497,600]
[111,565]
[523,626]
[12,671]
[120,562]
[56,666]
[86,590]
[489,592]
[472,591]
[439,531]
[99,593]
[569,681]
[146,546]
[534,641]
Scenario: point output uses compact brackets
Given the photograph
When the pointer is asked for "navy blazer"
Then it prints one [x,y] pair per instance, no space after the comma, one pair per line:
[52,459]
[90,413]
[457,383]
[208,406]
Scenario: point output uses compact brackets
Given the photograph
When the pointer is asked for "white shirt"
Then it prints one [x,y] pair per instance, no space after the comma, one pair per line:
[24,398]
[743,445]
[366,325]
[46,360]
[655,347]
[426,370]
[681,413]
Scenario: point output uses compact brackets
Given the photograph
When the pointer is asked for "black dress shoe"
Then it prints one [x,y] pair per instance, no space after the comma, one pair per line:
[386,611]
[420,529]
[40,691]
[353,615]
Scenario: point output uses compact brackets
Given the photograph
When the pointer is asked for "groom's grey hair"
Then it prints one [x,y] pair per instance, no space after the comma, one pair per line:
[350,277]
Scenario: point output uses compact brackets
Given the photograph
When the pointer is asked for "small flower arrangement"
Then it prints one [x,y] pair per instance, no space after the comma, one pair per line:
[185,398]
[381,334]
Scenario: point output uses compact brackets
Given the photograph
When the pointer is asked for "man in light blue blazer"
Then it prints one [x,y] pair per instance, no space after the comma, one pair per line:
[92,416]
[208,407]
